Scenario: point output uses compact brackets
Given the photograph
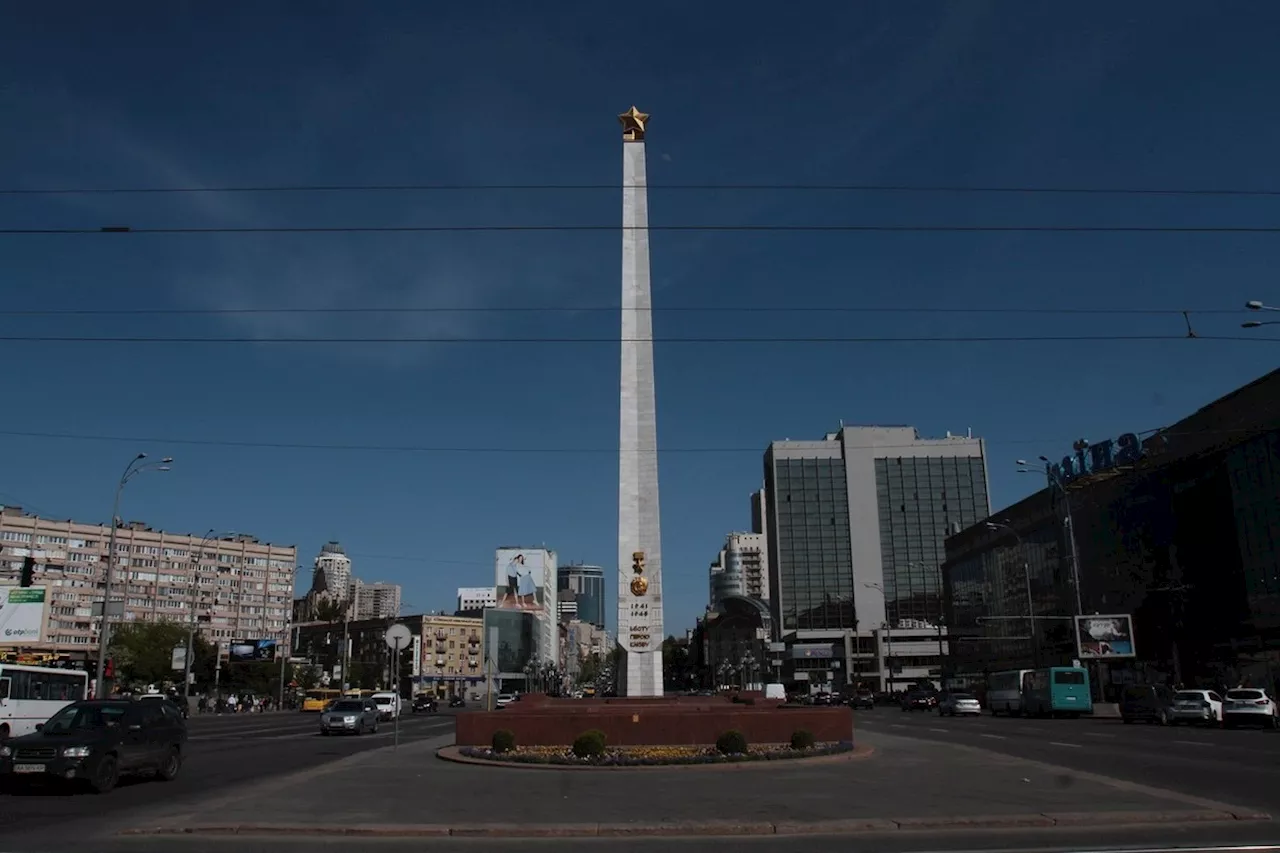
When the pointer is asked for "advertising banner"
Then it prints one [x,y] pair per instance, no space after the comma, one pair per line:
[1104,637]
[241,651]
[522,580]
[21,615]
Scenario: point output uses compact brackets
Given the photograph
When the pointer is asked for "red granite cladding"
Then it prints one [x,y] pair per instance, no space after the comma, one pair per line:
[649,722]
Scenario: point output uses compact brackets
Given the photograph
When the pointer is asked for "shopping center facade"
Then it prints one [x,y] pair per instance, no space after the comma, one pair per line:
[1178,529]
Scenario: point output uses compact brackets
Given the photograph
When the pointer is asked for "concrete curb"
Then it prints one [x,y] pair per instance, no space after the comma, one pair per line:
[1044,820]
[858,753]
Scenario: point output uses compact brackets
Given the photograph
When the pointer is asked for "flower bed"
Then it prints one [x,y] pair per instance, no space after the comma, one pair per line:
[652,756]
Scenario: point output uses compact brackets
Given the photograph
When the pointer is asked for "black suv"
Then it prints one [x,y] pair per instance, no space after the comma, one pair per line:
[1152,703]
[423,703]
[95,742]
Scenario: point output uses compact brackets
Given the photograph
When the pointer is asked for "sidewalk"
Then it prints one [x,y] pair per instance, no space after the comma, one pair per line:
[906,784]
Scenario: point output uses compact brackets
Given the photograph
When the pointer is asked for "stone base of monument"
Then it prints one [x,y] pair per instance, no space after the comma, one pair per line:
[665,721]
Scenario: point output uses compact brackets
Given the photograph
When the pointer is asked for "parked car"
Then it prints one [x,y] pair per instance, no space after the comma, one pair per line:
[95,742]
[1152,703]
[423,703]
[958,704]
[1250,706]
[1197,706]
[350,716]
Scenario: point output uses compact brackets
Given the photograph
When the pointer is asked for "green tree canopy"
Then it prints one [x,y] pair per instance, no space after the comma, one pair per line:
[143,652]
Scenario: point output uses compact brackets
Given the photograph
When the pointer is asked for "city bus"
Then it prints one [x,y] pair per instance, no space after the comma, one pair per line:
[317,699]
[1004,691]
[30,695]
[1057,690]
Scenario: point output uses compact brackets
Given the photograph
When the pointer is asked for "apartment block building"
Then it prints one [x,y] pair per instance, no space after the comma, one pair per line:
[237,586]
[374,600]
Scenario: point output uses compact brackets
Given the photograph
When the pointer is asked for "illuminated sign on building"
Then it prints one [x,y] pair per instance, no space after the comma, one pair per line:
[1089,459]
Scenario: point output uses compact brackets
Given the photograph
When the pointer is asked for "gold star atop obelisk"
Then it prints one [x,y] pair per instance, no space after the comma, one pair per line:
[633,122]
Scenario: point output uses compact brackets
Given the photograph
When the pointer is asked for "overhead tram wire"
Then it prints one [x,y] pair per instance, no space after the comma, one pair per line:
[697,187]
[587,309]
[811,340]
[498,450]
[836,228]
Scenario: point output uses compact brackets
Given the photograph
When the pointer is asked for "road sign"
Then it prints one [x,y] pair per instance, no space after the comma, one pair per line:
[398,637]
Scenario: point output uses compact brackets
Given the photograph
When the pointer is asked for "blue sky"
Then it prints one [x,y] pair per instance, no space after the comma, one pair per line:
[1158,95]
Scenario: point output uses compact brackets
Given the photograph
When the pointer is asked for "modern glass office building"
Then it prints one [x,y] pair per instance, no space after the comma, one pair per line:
[584,585]
[1185,538]
[856,525]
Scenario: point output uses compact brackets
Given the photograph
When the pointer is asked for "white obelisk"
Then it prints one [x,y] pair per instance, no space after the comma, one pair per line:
[639,536]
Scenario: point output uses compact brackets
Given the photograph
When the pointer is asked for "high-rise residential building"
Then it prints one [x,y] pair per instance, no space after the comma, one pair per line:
[236,586]
[333,571]
[856,524]
[476,598]
[581,593]
[373,600]
[741,568]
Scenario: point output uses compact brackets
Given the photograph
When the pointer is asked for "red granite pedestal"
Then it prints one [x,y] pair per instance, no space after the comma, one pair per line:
[665,721]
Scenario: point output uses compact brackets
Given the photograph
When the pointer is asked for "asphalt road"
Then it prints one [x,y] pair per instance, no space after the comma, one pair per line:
[223,751]
[1239,766]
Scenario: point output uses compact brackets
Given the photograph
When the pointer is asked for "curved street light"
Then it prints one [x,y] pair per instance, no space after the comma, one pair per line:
[1026,574]
[1056,482]
[1258,305]
[135,467]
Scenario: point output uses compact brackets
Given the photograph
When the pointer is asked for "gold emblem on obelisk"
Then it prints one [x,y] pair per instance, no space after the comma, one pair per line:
[639,584]
[633,124]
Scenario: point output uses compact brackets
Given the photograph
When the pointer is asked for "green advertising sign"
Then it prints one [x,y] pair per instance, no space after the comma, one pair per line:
[26,595]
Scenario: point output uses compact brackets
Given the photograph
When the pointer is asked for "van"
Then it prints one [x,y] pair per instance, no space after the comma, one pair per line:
[775,691]
[388,705]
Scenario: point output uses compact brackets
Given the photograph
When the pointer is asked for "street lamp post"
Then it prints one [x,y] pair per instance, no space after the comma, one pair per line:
[191,622]
[104,632]
[888,639]
[1026,574]
[1069,520]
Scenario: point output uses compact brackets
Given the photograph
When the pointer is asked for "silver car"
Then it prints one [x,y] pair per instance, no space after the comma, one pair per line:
[349,716]
[957,704]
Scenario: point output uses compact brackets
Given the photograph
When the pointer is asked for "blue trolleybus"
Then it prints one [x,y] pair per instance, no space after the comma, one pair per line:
[1056,691]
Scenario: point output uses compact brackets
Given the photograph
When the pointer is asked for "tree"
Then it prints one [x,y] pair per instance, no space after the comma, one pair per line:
[143,652]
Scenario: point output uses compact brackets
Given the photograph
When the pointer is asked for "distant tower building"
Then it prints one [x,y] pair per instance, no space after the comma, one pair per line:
[741,568]
[581,594]
[333,571]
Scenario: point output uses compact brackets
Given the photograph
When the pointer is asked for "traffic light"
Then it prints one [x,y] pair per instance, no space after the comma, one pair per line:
[110,671]
[28,576]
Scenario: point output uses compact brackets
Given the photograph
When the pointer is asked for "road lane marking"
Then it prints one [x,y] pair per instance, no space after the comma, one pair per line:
[898,726]
[944,731]
[1060,743]
[996,737]
[1097,734]
[1194,742]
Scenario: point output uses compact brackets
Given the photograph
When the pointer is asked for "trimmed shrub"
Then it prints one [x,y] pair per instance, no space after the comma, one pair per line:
[589,744]
[731,742]
[503,741]
[801,739]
